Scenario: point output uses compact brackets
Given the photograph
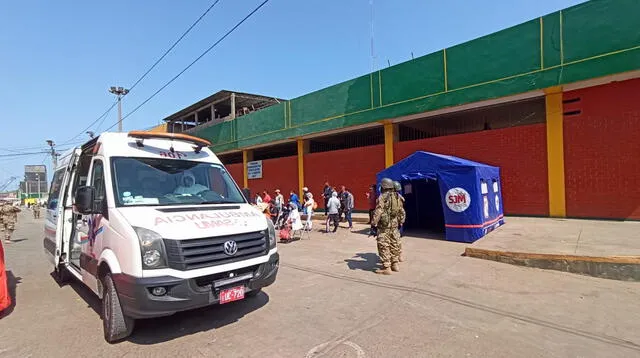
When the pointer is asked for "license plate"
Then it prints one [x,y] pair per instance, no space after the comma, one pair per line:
[231,294]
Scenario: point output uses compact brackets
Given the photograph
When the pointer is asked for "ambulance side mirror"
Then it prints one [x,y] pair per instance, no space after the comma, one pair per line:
[84,200]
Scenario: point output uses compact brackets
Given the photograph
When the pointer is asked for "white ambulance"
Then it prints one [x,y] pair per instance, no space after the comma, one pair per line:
[154,225]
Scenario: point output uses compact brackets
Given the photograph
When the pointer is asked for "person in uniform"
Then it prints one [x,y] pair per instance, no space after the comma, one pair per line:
[9,218]
[36,211]
[387,218]
[398,189]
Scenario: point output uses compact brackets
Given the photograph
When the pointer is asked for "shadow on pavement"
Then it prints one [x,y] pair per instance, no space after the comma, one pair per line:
[14,241]
[12,283]
[366,231]
[425,234]
[81,290]
[88,296]
[157,330]
[363,261]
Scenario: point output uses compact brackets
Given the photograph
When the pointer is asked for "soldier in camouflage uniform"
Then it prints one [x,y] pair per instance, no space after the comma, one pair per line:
[36,210]
[387,218]
[398,189]
[8,219]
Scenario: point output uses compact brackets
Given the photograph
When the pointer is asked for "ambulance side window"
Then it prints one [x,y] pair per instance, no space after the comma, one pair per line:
[54,192]
[81,174]
[97,182]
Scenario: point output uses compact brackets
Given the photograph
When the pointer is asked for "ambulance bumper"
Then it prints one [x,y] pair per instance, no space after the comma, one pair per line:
[138,301]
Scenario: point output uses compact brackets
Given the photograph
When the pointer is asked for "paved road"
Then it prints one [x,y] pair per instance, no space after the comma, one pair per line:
[327,302]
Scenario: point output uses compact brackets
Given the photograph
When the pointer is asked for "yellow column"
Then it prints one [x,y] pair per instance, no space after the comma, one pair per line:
[245,175]
[300,165]
[555,152]
[388,144]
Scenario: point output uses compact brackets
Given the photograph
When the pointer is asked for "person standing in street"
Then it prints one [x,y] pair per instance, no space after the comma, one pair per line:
[387,218]
[372,198]
[247,194]
[342,198]
[333,205]
[305,194]
[279,201]
[348,206]
[326,194]
[266,198]
[398,187]
[293,198]
[309,207]
[9,218]
[36,211]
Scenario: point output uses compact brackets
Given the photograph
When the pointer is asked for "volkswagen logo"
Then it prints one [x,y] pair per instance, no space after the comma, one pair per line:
[230,247]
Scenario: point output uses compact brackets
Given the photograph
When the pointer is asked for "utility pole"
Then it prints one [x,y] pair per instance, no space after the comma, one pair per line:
[38,178]
[373,55]
[54,155]
[120,92]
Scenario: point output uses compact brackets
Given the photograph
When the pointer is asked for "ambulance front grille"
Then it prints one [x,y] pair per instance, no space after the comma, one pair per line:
[206,252]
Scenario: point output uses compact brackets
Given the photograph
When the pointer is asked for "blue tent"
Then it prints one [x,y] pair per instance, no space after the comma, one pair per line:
[470,192]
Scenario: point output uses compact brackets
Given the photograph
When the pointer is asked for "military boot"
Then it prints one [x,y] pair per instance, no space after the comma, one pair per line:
[395,267]
[383,271]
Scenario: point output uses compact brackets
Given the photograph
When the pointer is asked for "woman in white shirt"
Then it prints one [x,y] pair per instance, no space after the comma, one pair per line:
[294,218]
[308,209]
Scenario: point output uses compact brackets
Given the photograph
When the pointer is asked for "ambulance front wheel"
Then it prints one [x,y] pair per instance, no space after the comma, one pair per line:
[116,325]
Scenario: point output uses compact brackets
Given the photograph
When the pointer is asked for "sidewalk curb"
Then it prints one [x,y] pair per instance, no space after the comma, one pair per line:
[623,268]
[322,217]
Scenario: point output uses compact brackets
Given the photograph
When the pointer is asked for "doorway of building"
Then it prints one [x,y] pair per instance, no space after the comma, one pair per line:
[423,205]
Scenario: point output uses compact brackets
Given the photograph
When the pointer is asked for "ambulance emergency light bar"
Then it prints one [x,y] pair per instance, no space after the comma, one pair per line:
[199,143]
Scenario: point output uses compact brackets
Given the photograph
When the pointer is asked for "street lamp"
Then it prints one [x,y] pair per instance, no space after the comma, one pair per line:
[38,179]
[120,92]
[54,155]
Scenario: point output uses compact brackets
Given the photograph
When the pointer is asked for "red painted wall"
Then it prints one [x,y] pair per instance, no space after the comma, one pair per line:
[602,151]
[354,168]
[236,172]
[520,152]
[279,173]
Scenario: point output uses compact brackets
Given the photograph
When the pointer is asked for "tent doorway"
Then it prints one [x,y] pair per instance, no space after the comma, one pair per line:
[423,206]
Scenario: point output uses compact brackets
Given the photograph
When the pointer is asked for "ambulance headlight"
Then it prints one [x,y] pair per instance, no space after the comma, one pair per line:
[151,249]
[271,231]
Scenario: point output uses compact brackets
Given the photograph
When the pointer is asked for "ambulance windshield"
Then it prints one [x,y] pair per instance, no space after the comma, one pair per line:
[151,181]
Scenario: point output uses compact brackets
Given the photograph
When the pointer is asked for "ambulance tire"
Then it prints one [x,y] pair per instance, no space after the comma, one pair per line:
[116,325]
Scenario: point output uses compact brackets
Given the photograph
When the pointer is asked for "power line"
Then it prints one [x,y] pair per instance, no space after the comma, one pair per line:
[102,118]
[19,154]
[174,44]
[193,62]
[104,115]
[21,149]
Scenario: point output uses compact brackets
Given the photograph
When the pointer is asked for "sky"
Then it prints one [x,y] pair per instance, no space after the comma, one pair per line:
[58,58]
